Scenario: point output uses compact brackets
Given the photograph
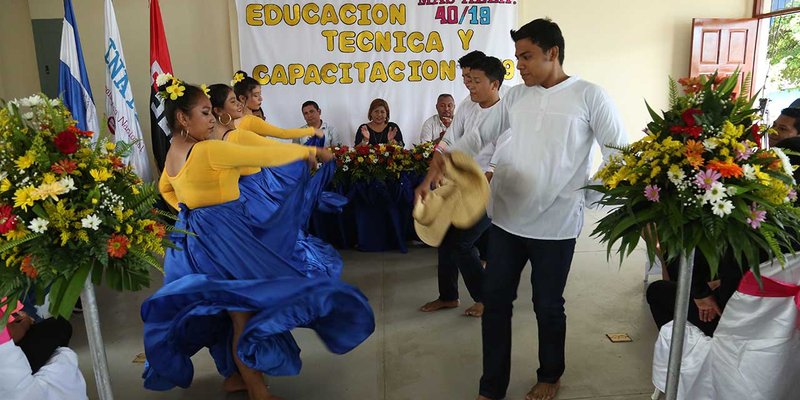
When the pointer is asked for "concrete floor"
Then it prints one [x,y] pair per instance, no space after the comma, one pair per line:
[421,356]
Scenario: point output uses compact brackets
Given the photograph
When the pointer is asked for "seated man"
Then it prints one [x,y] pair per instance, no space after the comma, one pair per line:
[313,116]
[786,126]
[434,127]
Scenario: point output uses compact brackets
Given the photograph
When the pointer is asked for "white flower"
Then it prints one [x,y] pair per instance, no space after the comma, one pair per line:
[38,225]
[3,175]
[11,104]
[386,154]
[90,222]
[27,115]
[67,183]
[426,154]
[731,190]
[710,143]
[375,161]
[163,78]
[722,208]
[32,101]
[55,102]
[347,159]
[749,172]
[787,165]
[715,193]
[345,168]
[676,177]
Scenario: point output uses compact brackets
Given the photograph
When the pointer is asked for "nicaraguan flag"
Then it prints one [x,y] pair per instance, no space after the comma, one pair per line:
[73,83]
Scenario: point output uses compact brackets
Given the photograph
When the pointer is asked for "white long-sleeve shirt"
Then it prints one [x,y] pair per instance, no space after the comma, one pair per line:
[331,138]
[467,120]
[536,188]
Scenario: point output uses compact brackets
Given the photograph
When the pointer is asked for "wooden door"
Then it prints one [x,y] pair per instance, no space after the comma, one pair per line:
[724,45]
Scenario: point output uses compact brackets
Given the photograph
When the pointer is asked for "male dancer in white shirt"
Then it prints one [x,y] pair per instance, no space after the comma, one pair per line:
[458,250]
[537,197]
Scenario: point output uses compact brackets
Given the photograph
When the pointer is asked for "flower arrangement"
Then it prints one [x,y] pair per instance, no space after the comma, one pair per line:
[70,207]
[702,180]
[380,161]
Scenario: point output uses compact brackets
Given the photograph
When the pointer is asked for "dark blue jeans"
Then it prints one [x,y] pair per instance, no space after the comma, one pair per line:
[550,263]
[458,253]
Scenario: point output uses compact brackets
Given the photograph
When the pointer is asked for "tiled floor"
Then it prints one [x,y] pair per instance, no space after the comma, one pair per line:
[420,356]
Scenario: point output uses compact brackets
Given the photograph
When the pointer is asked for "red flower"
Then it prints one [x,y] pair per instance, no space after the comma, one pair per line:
[157,229]
[66,142]
[7,220]
[65,166]
[362,150]
[28,268]
[691,85]
[755,130]
[118,245]
[688,116]
[693,131]
[116,162]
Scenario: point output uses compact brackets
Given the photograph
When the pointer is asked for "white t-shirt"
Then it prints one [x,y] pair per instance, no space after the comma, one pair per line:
[430,130]
[331,138]
[537,185]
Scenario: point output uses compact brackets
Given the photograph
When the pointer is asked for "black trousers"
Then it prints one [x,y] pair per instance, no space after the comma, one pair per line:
[550,264]
[661,297]
[43,338]
[458,253]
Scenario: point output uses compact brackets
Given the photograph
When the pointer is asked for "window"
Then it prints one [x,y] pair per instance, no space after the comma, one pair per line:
[771,8]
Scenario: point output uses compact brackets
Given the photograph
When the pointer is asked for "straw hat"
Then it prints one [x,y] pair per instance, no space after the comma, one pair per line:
[460,201]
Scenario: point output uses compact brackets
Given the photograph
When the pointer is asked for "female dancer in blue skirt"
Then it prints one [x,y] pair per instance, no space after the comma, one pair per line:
[226,288]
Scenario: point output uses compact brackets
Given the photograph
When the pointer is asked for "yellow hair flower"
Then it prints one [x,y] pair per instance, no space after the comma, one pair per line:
[100,174]
[237,77]
[175,90]
[24,198]
[205,90]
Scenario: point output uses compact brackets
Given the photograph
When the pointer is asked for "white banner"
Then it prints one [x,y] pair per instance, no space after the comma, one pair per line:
[343,55]
[122,119]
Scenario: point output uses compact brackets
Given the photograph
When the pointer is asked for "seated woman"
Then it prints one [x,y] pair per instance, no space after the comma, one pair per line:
[379,130]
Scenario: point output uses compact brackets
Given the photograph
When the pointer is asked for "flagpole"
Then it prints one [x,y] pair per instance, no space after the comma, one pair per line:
[679,324]
[97,349]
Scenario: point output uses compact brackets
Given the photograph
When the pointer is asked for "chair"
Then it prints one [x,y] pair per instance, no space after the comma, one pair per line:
[755,351]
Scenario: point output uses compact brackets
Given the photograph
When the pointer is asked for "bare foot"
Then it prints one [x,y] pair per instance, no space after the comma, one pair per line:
[543,391]
[234,383]
[437,305]
[475,311]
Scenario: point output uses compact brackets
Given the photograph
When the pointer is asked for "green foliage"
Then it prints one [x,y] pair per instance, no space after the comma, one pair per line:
[783,50]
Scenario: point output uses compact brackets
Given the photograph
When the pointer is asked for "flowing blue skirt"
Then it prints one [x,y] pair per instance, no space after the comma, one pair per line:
[280,200]
[225,266]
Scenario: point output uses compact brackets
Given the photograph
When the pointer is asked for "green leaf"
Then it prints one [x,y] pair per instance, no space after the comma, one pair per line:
[72,291]
[14,243]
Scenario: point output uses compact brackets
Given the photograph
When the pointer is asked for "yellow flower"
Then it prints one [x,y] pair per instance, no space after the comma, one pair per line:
[175,90]
[24,198]
[100,174]
[25,161]
[18,233]
[5,184]
[238,77]
[52,190]
[110,146]
[205,90]
[135,190]
[48,178]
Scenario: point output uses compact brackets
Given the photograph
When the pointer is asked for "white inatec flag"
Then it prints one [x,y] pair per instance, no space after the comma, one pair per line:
[123,121]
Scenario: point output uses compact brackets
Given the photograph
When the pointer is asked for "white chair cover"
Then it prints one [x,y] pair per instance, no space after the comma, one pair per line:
[754,354]
[59,379]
